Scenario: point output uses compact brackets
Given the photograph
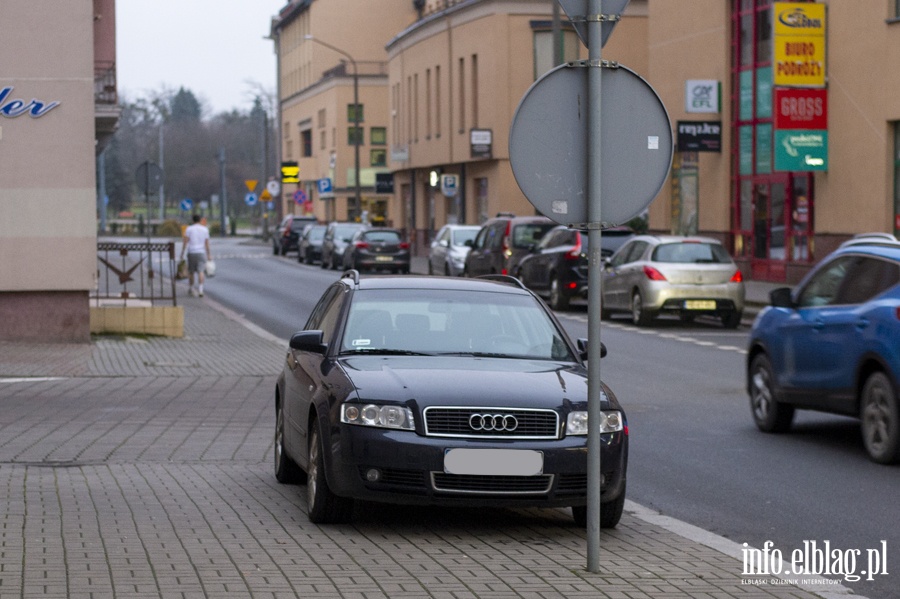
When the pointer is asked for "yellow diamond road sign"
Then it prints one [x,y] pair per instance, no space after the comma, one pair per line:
[251,184]
[265,195]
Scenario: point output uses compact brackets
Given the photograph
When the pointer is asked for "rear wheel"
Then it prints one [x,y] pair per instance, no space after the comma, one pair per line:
[286,470]
[770,415]
[324,506]
[558,300]
[639,315]
[880,419]
[731,320]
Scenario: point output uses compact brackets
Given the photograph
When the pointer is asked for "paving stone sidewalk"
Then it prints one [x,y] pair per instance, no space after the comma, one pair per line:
[141,467]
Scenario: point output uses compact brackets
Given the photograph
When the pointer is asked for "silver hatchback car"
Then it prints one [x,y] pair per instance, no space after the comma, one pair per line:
[685,276]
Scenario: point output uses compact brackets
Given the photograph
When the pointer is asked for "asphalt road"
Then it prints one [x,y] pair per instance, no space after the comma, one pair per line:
[695,453]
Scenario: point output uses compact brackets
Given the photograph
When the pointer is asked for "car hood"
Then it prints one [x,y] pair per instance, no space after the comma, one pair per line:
[467,381]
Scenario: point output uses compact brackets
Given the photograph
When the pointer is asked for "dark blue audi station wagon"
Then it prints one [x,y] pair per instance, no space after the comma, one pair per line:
[441,391]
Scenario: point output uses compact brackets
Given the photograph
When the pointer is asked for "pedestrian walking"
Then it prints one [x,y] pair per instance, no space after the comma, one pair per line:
[196,245]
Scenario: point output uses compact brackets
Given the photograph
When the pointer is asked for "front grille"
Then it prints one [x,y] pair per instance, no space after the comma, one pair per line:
[572,484]
[454,422]
[492,485]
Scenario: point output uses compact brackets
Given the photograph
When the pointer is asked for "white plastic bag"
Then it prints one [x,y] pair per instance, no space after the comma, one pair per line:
[210,268]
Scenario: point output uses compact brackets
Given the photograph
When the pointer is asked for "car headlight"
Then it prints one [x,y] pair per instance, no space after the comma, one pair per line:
[382,416]
[610,422]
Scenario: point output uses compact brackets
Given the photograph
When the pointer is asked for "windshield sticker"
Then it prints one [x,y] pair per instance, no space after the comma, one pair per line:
[361,342]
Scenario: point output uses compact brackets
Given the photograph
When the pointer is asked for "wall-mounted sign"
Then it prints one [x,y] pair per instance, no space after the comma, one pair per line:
[799,150]
[480,141]
[702,95]
[384,182]
[11,108]
[797,108]
[290,172]
[699,136]
[449,185]
[799,39]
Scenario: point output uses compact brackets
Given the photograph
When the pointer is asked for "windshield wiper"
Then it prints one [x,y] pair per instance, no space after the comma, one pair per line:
[478,354]
[383,351]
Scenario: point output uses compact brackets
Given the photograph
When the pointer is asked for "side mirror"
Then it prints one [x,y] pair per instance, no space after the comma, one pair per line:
[469,243]
[781,298]
[582,344]
[308,341]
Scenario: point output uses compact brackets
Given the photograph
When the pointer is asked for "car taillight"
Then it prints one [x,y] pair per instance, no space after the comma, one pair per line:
[575,252]
[361,245]
[507,251]
[737,278]
[403,245]
[653,274]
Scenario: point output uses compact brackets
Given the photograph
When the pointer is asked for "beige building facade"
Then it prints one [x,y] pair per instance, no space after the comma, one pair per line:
[786,122]
[48,141]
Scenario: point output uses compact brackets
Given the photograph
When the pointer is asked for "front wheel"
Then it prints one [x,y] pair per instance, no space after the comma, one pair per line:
[880,419]
[324,506]
[610,512]
[769,415]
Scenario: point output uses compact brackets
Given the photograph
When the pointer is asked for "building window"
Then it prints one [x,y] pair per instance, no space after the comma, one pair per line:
[378,157]
[378,136]
[543,47]
[354,111]
[355,136]
[416,107]
[437,100]
[321,119]
[427,103]
[462,95]
[322,137]
[306,143]
[474,91]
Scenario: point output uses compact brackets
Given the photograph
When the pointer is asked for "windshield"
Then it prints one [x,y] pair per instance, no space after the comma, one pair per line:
[451,322]
[691,253]
[527,235]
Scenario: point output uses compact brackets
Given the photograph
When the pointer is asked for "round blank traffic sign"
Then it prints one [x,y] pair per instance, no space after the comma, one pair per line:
[548,145]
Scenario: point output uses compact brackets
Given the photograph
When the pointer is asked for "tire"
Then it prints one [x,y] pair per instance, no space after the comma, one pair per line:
[880,419]
[769,415]
[558,301]
[286,470]
[274,250]
[610,512]
[639,315]
[300,257]
[447,272]
[324,506]
[283,251]
[430,268]
[323,264]
[732,320]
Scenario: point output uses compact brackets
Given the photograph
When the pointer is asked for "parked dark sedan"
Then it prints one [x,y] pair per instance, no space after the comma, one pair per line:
[309,248]
[373,249]
[557,267]
[441,391]
[288,233]
[337,236]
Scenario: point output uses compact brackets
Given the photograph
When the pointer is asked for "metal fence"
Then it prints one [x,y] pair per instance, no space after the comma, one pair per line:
[135,272]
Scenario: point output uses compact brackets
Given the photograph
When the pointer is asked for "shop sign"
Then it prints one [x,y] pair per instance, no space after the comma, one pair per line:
[384,182]
[11,108]
[764,93]
[799,39]
[801,150]
[702,95]
[480,141]
[745,150]
[699,136]
[764,148]
[801,108]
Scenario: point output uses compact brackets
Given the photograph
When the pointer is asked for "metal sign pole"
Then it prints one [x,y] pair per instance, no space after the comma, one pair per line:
[595,266]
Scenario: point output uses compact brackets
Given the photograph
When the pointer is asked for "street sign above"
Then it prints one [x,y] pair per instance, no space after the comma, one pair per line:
[187,204]
[250,199]
[547,148]
[251,184]
[577,10]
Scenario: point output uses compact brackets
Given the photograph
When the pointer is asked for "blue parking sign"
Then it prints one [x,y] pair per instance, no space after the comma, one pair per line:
[325,186]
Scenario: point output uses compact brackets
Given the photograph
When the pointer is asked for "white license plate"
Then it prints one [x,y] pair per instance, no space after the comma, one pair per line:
[494,462]
[383,258]
[699,304]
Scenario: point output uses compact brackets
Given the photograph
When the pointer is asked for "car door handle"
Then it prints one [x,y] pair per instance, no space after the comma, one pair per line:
[818,324]
[862,323]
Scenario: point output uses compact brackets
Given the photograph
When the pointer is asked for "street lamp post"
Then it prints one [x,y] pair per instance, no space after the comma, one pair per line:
[357,201]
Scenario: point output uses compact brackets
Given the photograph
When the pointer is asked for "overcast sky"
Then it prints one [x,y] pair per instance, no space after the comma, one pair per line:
[215,48]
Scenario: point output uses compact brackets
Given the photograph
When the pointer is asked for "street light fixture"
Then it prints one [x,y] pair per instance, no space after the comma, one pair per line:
[357,208]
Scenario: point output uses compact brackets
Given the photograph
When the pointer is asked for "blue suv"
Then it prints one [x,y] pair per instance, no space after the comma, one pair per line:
[833,345]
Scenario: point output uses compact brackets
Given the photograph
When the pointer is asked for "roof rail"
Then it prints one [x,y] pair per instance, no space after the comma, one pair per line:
[875,238]
[352,274]
[504,279]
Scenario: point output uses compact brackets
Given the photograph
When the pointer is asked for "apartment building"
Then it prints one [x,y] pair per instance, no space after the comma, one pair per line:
[58,106]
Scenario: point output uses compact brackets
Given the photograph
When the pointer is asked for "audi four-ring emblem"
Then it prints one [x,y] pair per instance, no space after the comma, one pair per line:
[493,422]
